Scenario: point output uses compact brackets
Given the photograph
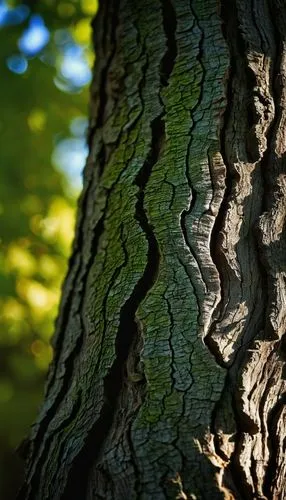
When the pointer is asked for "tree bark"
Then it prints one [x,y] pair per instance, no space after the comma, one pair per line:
[168,379]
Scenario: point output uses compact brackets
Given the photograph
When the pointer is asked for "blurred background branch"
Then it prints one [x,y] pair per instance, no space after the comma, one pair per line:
[46,59]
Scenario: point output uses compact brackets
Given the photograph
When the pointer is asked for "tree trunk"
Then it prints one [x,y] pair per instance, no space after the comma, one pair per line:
[167,380]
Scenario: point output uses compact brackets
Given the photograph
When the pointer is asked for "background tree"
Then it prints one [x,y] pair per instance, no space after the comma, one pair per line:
[167,379]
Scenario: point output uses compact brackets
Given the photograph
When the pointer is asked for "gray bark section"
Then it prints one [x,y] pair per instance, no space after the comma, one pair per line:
[167,379]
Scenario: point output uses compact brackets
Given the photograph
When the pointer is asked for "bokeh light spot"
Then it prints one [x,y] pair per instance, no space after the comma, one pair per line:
[20,259]
[74,68]
[42,353]
[12,17]
[70,156]
[37,120]
[35,37]
[17,64]
[66,9]
[89,7]
[62,37]
[13,310]
[78,126]
[82,31]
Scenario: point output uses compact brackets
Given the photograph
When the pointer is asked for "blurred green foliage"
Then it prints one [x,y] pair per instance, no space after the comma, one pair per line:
[43,102]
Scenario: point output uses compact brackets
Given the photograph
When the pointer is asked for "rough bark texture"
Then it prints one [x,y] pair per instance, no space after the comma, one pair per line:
[167,380]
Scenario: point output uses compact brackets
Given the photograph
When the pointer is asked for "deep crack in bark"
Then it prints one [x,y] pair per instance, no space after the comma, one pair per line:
[127,328]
